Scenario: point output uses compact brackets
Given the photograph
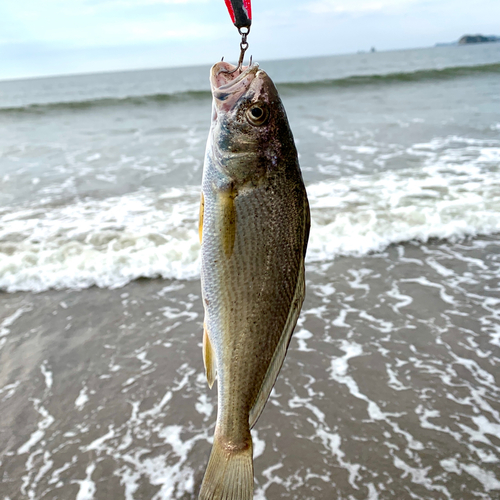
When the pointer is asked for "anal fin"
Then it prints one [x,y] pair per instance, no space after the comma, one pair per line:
[209,358]
[280,352]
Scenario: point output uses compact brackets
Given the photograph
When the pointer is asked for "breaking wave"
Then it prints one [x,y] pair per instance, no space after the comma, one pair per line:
[349,81]
[455,193]
[410,76]
[107,101]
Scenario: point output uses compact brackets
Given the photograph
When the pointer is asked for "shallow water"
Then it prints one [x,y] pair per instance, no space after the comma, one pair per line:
[104,192]
[390,388]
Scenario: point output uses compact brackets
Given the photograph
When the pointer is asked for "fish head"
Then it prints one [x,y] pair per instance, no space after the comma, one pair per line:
[250,130]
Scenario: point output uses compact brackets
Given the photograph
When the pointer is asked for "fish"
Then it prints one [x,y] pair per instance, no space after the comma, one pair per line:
[254,227]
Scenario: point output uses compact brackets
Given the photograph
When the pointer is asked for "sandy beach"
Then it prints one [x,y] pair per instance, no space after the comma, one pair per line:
[390,389]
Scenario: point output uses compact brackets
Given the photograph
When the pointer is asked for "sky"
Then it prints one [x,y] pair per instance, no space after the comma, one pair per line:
[53,37]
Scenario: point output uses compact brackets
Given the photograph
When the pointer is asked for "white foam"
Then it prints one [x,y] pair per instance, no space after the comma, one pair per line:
[9,321]
[87,486]
[332,441]
[486,478]
[495,335]
[49,379]
[106,243]
[259,445]
[301,336]
[38,435]
[454,192]
[425,282]
[9,389]
[203,405]
[97,443]
[419,476]
[82,398]
[339,369]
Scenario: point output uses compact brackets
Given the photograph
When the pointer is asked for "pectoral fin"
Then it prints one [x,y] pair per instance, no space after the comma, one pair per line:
[202,213]
[280,352]
[228,220]
[209,358]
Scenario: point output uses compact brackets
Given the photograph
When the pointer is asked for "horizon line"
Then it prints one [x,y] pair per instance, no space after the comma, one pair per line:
[199,65]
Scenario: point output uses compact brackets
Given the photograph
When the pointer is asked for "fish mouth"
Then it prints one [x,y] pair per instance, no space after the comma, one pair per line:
[229,85]
[224,75]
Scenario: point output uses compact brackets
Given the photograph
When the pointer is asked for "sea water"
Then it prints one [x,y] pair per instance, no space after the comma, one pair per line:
[390,388]
[100,174]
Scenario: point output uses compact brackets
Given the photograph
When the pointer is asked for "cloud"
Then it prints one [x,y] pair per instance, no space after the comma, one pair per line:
[157,31]
[90,23]
[139,3]
[355,6]
[64,36]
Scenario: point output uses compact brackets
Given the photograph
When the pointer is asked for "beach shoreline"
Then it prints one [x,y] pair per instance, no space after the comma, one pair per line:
[390,386]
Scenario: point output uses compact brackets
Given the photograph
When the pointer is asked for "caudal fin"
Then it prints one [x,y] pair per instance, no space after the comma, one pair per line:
[229,474]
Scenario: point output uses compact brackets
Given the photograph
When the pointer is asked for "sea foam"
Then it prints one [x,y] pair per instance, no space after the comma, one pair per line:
[108,243]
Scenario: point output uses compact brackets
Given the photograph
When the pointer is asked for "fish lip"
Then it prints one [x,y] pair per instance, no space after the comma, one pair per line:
[234,87]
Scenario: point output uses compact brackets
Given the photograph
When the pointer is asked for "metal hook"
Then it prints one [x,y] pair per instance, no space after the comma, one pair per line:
[243,48]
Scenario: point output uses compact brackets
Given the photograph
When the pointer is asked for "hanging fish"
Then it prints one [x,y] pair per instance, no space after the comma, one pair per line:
[254,227]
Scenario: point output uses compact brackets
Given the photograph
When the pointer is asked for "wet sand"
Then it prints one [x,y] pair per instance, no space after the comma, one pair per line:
[390,389]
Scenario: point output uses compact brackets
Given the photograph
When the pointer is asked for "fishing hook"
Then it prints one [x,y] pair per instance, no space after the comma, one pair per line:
[243,48]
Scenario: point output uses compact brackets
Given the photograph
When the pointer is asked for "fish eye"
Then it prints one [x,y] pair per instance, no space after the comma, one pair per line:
[257,114]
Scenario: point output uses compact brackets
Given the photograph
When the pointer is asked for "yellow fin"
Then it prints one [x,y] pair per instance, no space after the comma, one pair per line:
[229,474]
[280,352]
[209,358]
[202,213]
[228,229]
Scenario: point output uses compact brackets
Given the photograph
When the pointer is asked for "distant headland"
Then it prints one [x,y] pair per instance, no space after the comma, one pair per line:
[478,39]
[469,39]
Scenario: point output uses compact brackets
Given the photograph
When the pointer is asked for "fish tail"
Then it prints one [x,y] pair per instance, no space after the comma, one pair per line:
[229,474]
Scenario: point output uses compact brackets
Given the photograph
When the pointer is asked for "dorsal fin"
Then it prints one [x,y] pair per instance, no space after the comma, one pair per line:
[280,352]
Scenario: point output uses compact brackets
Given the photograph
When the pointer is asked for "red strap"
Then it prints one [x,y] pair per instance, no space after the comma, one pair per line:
[230,9]
[240,12]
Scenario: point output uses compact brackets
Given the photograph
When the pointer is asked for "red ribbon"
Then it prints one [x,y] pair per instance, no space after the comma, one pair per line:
[240,12]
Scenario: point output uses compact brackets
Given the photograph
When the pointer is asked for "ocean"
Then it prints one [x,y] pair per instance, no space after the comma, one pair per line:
[391,387]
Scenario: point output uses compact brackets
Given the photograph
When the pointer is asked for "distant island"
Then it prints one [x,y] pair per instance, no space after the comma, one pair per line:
[469,39]
[478,39]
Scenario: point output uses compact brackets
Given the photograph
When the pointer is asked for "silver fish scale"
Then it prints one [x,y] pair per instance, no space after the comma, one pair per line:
[248,295]
[255,218]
